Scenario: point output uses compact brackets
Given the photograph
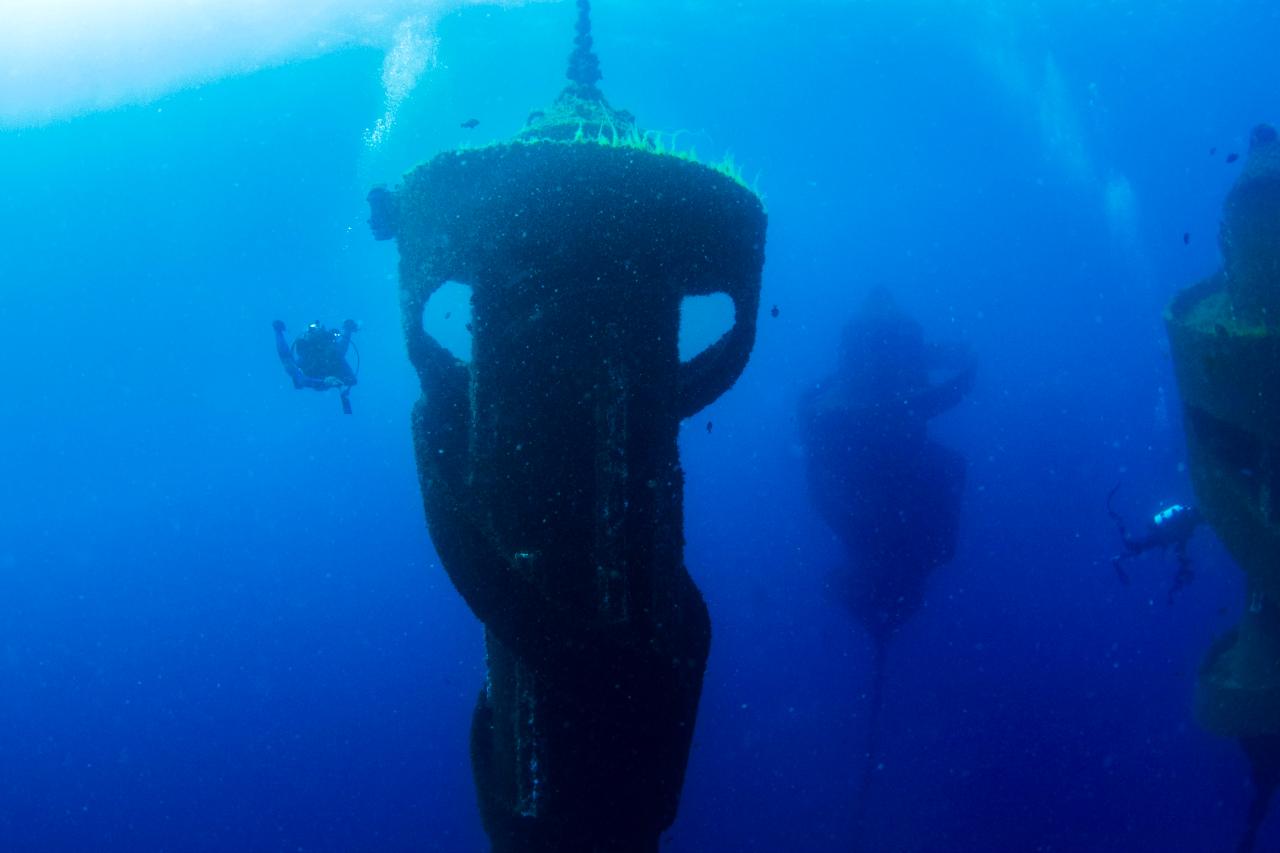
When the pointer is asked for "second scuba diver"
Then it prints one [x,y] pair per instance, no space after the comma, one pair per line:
[1170,528]
[318,358]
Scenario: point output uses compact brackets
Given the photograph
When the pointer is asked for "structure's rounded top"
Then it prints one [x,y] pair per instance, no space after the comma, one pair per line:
[1250,232]
[579,115]
[581,111]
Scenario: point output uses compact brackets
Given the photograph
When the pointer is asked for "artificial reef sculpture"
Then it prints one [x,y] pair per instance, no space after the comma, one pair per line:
[890,493]
[548,463]
[1225,338]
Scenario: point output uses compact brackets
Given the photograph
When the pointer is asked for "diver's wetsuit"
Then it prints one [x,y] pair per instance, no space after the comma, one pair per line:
[318,359]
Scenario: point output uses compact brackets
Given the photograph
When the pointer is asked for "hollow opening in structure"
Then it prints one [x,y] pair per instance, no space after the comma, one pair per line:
[447,318]
[703,319]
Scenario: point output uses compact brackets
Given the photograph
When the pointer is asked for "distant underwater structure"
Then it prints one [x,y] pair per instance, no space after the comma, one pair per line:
[548,464]
[1225,337]
[890,493]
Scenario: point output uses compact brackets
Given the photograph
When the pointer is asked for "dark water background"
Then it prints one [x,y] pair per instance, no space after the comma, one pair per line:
[222,625]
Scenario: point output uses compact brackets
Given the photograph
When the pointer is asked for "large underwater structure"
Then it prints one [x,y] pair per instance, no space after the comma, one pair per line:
[1225,337]
[548,463]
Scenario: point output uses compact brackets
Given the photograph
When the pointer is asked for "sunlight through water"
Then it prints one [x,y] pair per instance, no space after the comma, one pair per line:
[63,58]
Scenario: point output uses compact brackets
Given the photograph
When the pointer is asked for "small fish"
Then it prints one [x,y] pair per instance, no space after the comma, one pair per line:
[534,116]
[709,426]
[471,123]
[468,327]
[1186,238]
[1232,157]
[774,312]
[448,314]
[1213,151]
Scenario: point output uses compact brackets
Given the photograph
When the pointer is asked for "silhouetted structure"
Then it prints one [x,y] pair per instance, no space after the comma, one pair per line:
[890,493]
[548,464]
[1225,337]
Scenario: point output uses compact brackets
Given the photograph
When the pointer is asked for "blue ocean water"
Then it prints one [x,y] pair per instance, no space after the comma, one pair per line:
[222,623]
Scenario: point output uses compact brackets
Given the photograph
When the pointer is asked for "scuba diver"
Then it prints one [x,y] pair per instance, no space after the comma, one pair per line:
[318,358]
[1171,527]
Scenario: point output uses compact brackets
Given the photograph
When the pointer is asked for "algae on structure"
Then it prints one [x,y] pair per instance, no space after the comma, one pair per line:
[582,115]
